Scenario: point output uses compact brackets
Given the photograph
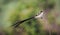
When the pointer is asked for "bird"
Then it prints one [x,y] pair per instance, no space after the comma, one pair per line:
[20,22]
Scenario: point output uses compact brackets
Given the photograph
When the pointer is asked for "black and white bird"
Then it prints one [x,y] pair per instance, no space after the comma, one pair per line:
[20,22]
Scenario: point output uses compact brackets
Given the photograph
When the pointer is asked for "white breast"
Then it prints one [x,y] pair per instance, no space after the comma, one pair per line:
[40,15]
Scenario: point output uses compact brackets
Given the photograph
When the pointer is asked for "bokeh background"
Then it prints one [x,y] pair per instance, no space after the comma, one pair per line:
[18,10]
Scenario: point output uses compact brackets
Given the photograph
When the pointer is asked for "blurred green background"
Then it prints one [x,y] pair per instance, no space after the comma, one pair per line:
[18,10]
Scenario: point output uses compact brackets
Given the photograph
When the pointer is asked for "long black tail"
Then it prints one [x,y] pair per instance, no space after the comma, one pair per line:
[20,22]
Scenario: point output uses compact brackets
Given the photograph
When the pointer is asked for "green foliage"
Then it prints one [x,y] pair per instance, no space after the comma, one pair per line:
[18,10]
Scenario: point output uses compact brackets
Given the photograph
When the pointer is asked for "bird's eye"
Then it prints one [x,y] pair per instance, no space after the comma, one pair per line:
[41,11]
